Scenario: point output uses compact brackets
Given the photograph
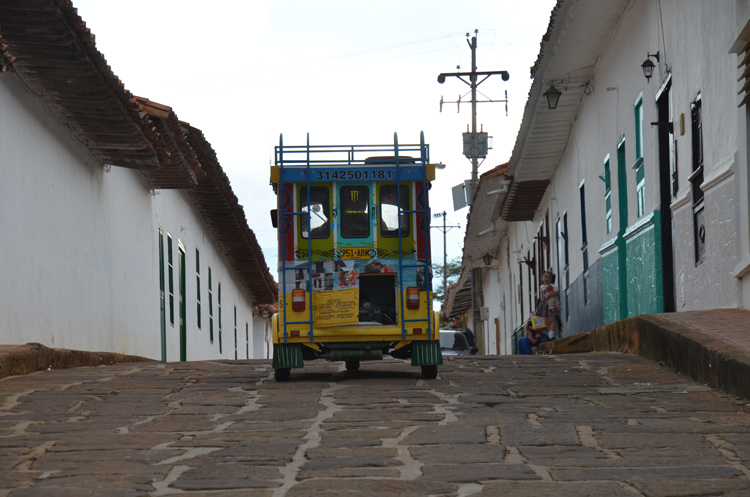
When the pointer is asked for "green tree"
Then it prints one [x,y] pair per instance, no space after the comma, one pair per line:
[452,271]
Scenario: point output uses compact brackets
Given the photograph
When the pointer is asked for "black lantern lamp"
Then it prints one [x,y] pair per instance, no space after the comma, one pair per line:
[487,258]
[648,66]
[552,95]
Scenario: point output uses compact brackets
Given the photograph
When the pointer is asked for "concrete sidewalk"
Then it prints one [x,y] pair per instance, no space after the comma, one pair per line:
[710,346]
[24,359]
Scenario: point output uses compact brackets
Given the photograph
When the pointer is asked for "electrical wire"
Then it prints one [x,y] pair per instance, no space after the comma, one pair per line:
[315,62]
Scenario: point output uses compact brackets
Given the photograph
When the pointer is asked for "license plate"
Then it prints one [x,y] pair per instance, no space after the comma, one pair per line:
[348,253]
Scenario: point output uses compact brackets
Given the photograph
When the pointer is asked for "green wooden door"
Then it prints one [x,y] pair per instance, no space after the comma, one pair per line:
[182,304]
[162,297]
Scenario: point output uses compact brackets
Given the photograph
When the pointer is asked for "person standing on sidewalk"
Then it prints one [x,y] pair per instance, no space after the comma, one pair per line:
[549,303]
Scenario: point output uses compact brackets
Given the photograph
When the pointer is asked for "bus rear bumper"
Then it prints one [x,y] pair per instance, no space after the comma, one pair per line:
[421,353]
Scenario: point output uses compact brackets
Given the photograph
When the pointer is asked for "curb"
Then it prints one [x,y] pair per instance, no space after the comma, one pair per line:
[31,357]
[686,350]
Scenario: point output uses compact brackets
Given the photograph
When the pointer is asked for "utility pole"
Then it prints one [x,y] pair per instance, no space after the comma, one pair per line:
[477,298]
[445,230]
[473,82]
[474,147]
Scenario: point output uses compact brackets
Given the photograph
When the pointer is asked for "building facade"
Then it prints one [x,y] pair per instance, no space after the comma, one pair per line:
[632,190]
[120,229]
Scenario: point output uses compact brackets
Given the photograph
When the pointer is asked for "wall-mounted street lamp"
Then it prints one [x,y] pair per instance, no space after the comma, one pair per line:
[487,258]
[648,66]
[552,96]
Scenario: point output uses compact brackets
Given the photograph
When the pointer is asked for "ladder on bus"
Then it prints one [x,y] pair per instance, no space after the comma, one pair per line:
[286,219]
[421,207]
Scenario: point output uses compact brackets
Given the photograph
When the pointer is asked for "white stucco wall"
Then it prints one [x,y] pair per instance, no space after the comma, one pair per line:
[262,347]
[176,219]
[703,64]
[697,37]
[742,270]
[79,257]
[491,290]
[67,236]
[506,285]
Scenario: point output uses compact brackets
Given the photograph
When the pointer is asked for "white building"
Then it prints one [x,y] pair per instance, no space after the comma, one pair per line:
[634,191]
[120,231]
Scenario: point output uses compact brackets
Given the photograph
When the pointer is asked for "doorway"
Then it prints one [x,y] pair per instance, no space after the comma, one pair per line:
[668,186]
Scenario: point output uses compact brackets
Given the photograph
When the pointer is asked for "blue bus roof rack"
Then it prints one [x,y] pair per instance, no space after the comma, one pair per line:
[351,155]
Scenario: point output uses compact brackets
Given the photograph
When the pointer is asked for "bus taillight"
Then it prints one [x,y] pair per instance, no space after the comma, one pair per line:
[298,300]
[412,297]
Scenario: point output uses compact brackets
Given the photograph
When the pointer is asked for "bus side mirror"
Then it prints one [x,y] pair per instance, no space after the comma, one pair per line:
[275,218]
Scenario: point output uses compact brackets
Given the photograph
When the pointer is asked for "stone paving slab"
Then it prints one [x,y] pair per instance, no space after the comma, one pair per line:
[573,425]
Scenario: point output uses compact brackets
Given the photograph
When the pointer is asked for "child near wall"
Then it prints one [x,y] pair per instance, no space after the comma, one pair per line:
[549,303]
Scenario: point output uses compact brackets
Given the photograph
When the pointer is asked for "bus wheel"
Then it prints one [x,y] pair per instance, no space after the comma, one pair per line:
[429,372]
[282,374]
[352,365]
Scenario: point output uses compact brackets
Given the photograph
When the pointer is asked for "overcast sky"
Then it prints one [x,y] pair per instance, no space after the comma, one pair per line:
[344,71]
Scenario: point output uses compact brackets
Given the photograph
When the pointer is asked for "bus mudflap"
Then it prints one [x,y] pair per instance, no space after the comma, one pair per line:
[426,353]
[288,355]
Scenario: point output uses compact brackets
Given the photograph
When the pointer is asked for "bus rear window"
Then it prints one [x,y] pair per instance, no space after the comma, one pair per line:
[389,212]
[319,207]
[355,211]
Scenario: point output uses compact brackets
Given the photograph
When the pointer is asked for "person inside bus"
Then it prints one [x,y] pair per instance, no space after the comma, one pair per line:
[355,212]
[319,208]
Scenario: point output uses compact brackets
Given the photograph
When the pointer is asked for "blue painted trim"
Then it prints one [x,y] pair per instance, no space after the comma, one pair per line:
[353,174]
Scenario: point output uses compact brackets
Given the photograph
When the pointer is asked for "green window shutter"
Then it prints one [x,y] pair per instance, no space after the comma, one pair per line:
[210,308]
[170,266]
[198,287]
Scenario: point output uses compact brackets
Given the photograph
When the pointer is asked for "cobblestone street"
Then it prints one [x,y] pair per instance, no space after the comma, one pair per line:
[578,425]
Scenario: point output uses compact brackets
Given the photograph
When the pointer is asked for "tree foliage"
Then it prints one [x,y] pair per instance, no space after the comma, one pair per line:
[453,272]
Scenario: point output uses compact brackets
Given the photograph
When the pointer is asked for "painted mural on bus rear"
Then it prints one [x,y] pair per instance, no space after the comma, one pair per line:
[355,278]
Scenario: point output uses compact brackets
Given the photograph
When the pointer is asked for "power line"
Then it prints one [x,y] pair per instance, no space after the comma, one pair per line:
[307,62]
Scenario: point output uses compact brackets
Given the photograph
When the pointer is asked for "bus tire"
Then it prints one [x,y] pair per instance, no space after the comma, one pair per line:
[282,374]
[352,365]
[429,372]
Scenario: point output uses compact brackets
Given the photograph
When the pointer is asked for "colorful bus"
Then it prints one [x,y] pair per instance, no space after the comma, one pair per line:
[355,279]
